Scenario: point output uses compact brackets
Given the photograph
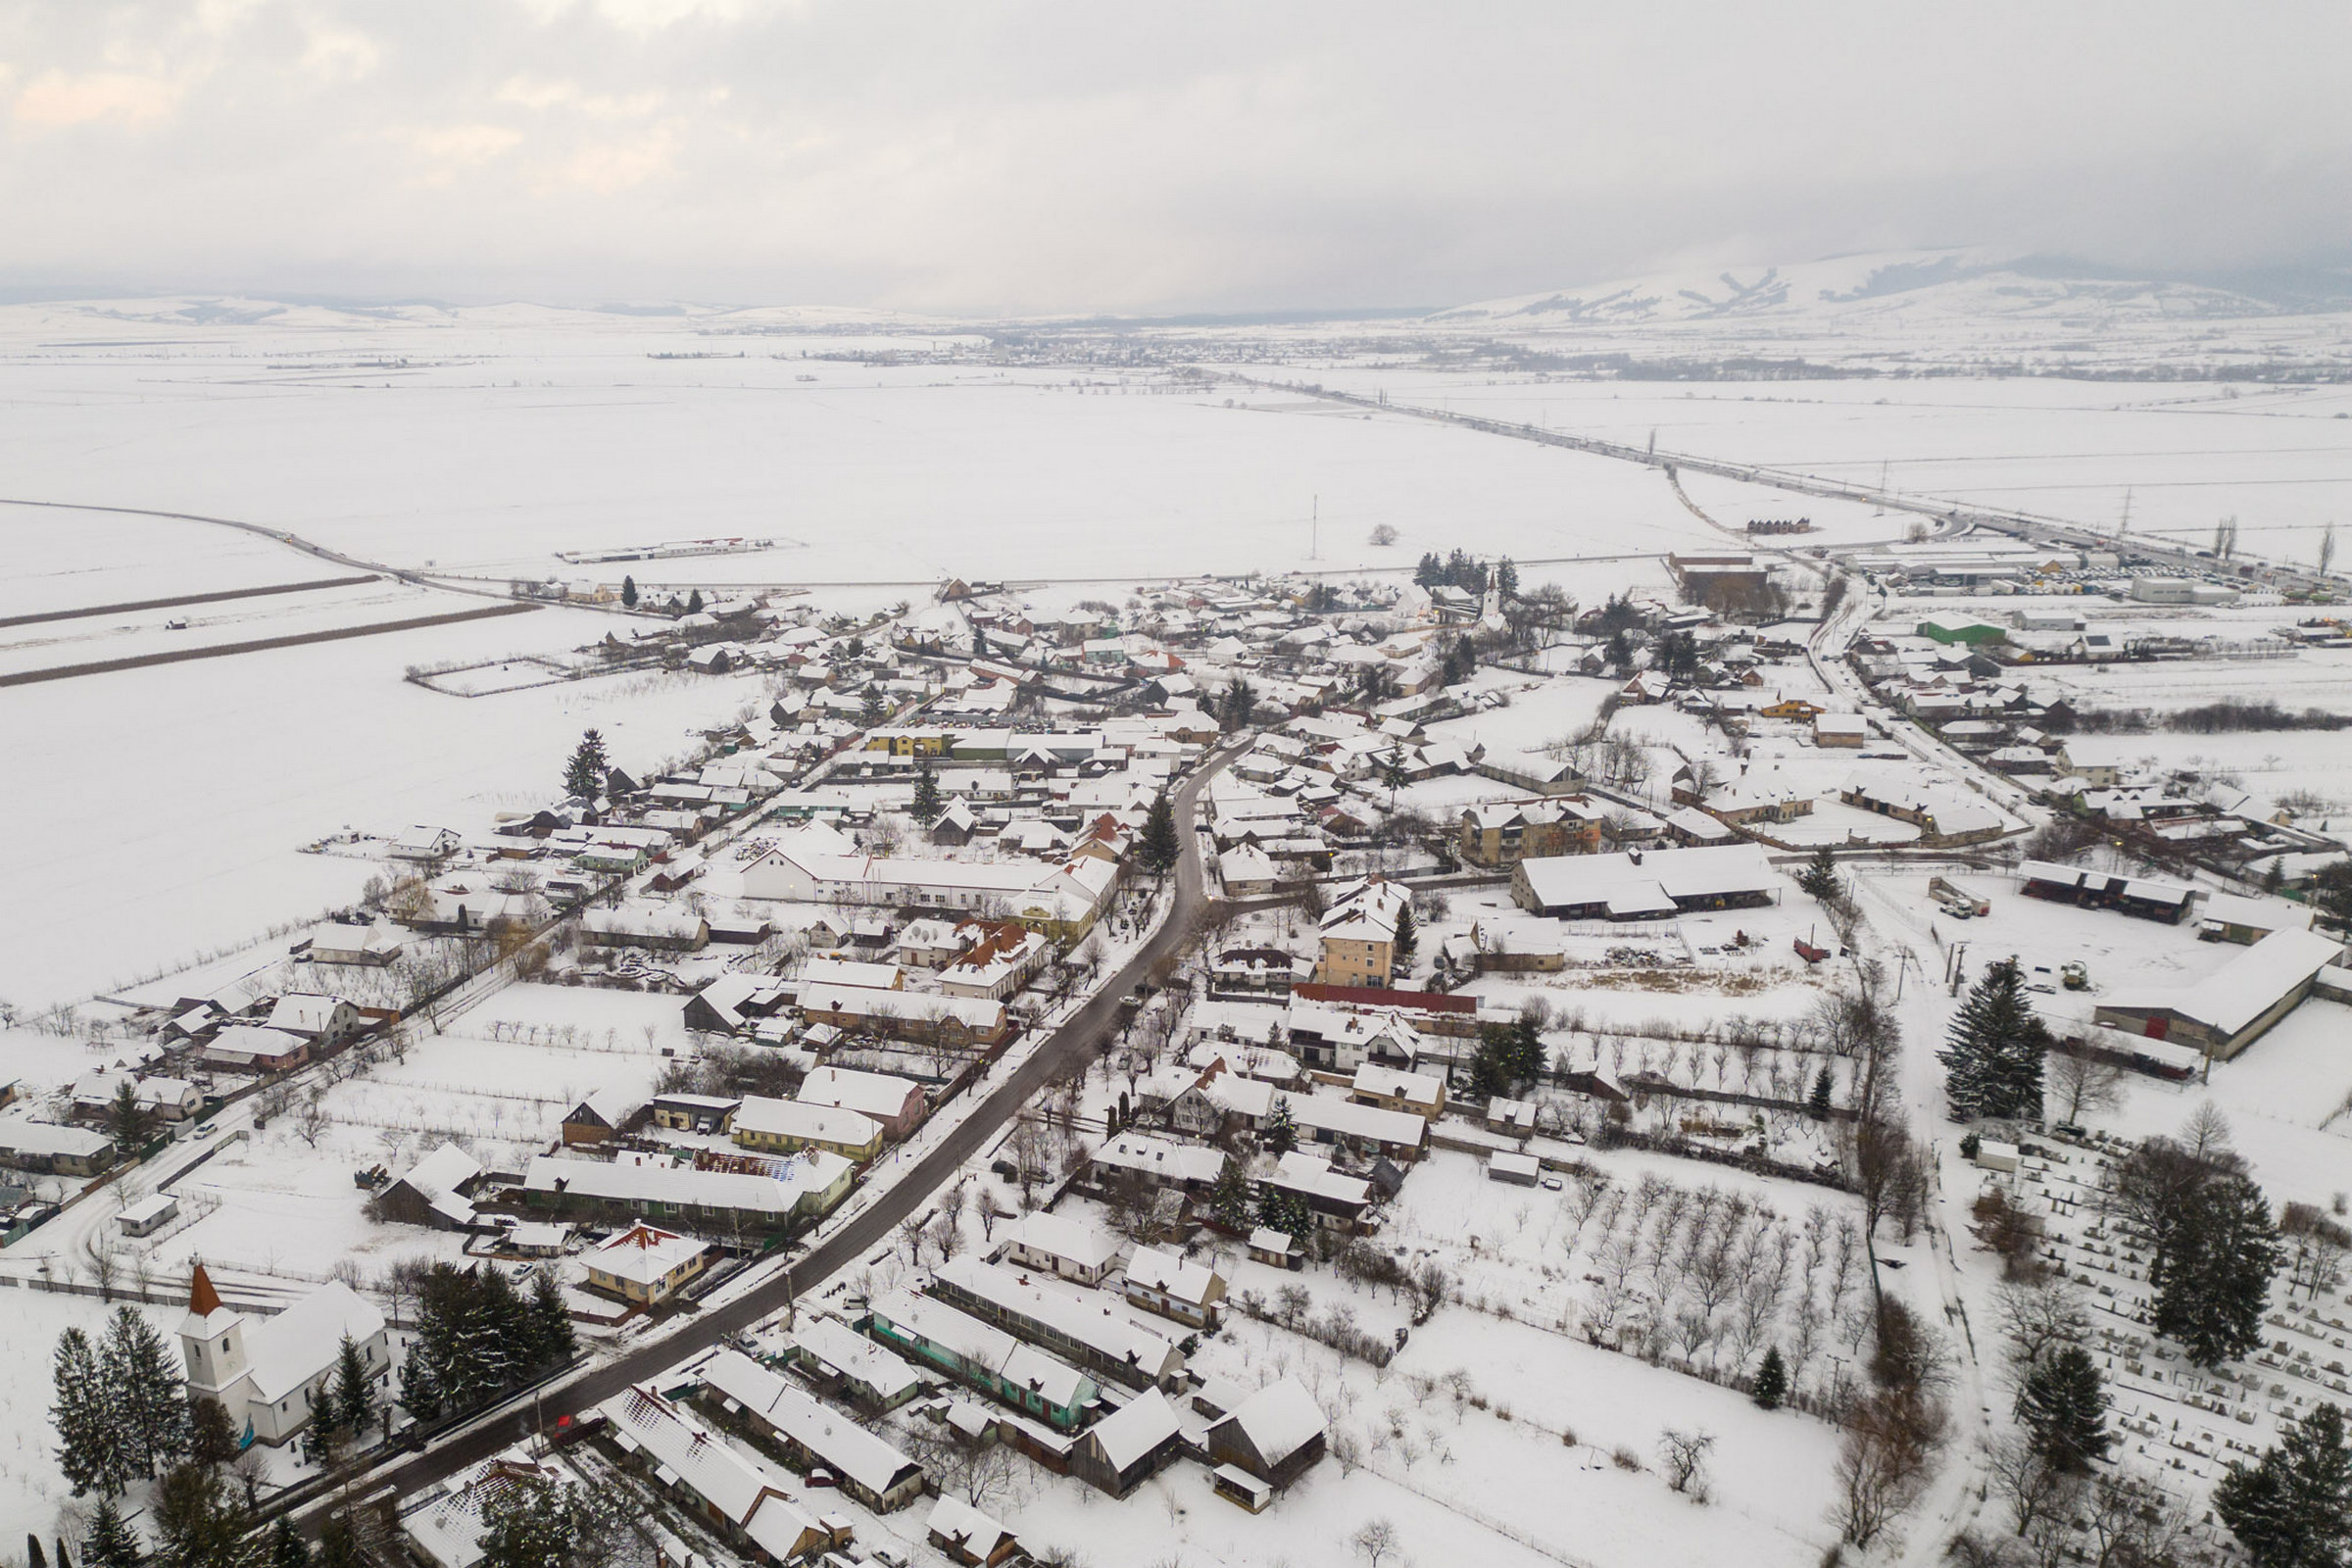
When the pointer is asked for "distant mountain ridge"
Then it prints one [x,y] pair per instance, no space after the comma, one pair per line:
[1959,283]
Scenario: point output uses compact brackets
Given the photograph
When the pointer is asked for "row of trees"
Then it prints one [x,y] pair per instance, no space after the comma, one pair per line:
[478,1336]
[119,1413]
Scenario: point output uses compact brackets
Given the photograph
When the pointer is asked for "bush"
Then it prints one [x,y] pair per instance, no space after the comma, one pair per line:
[1625,1460]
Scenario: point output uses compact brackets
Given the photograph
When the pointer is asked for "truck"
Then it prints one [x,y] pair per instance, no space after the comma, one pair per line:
[1960,900]
[2074,975]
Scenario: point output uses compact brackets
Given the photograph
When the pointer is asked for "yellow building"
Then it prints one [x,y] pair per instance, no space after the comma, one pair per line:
[645,1265]
[786,1126]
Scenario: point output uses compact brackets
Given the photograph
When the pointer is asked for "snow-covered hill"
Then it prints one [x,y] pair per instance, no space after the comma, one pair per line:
[1963,284]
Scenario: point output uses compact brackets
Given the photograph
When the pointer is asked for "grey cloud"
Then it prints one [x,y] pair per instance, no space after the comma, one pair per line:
[1081,156]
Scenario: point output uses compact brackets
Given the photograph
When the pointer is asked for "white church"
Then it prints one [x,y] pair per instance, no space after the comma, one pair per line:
[269,1372]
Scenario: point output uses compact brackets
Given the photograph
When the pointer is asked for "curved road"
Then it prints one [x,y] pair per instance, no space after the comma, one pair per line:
[1076,1041]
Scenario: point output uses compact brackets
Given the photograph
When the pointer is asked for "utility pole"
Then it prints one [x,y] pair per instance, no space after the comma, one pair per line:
[1314,524]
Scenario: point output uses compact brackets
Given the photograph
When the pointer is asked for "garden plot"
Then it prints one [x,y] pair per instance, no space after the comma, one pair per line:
[282,1203]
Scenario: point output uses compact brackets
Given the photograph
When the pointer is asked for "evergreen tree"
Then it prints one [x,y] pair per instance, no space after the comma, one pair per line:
[1528,1058]
[1236,705]
[927,804]
[149,1392]
[34,1556]
[529,1526]
[1430,571]
[1286,1212]
[199,1522]
[2064,1405]
[1620,651]
[1408,936]
[1490,1069]
[1282,1128]
[2211,1277]
[694,603]
[353,1398]
[1772,1380]
[628,593]
[287,1549]
[2331,895]
[875,709]
[91,1450]
[2292,1508]
[110,1542]
[1993,1051]
[1818,1103]
[1393,776]
[1229,1201]
[1158,849]
[584,775]
[1506,579]
[338,1546]
[553,1339]
[1820,876]
[211,1436]
[128,1122]
[420,1392]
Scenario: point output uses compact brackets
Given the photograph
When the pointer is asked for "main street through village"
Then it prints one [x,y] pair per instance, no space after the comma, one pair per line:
[1074,1043]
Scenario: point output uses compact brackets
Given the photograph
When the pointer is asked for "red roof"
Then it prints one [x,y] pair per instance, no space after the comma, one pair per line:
[1378,996]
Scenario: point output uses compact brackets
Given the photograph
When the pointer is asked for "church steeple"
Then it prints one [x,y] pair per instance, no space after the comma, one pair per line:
[212,1340]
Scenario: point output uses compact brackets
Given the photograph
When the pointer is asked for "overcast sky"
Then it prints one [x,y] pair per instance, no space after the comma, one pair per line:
[1192,156]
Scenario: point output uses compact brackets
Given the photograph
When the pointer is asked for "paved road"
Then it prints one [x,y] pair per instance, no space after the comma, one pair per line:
[1075,1041]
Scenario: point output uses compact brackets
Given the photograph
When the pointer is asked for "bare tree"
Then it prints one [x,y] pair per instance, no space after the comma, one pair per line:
[2083,1085]
[2206,1132]
[1892,1437]
[1375,1540]
[1684,1456]
[312,1123]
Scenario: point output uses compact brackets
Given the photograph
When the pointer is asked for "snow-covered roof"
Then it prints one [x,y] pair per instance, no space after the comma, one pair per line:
[1099,1322]
[1136,1428]
[973,1532]
[854,1357]
[1174,1277]
[290,1349]
[799,1118]
[835,1439]
[1280,1419]
[878,1094]
[1059,1236]
[643,1254]
[1052,1379]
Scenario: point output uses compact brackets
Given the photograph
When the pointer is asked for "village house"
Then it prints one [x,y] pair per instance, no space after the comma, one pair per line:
[783,1126]
[1505,834]
[1275,1435]
[645,1266]
[1943,816]
[842,1363]
[1094,1332]
[968,1538]
[810,1433]
[1392,1089]
[926,1329]
[1174,1286]
[1359,933]
[747,1500]
[724,1201]
[436,1192]
[605,1114]
[1130,1445]
[1056,1245]
[895,1102]
[52,1149]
